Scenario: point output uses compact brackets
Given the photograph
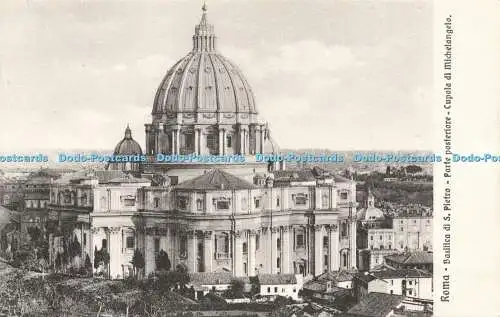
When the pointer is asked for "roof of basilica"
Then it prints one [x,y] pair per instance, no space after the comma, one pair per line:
[216,180]
[204,81]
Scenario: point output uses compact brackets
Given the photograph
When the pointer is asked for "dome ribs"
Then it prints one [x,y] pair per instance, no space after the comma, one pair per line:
[187,106]
[224,63]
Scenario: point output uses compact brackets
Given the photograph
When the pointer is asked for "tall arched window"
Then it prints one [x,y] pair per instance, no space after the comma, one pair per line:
[156,202]
[278,244]
[245,248]
[344,259]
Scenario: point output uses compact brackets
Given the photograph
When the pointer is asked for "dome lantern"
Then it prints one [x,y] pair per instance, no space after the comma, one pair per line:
[204,36]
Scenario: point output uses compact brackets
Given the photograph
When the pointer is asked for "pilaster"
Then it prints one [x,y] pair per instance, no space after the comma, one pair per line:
[238,254]
[251,253]
[287,250]
[115,253]
[208,252]
[318,250]
[334,248]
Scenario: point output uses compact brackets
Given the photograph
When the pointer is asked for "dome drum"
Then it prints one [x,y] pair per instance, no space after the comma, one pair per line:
[220,139]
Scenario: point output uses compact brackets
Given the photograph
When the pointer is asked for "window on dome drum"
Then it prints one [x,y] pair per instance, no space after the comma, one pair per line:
[278,262]
[229,140]
[157,202]
[212,143]
[187,143]
[199,204]
[277,202]
[130,242]
[157,245]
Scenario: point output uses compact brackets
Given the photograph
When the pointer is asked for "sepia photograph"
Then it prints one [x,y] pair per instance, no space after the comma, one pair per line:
[216,158]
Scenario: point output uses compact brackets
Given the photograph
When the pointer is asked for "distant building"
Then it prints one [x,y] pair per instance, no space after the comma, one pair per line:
[408,282]
[286,285]
[205,282]
[380,235]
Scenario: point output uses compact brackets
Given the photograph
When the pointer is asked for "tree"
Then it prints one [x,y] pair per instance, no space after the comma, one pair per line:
[58,261]
[97,258]
[236,288]
[413,169]
[254,281]
[74,247]
[137,261]
[162,261]
[4,244]
[34,233]
[88,264]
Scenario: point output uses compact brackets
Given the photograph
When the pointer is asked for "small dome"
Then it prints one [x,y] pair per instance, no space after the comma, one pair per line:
[128,146]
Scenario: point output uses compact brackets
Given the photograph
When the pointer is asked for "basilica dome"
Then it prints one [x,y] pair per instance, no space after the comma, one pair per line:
[204,105]
[204,81]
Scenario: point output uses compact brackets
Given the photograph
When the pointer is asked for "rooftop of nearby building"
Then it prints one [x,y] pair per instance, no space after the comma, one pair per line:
[412,258]
[376,305]
[277,279]
[216,180]
[213,278]
[337,276]
[128,179]
[388,273]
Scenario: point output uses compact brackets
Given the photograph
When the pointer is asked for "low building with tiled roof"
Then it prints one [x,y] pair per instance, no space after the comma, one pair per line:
[408,282]
[286,285]
[376,305]
[417,260]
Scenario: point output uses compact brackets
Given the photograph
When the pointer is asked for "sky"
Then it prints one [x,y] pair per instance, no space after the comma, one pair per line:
[342,75]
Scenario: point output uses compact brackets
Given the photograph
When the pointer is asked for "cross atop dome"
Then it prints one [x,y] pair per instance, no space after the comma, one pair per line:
[204,36]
